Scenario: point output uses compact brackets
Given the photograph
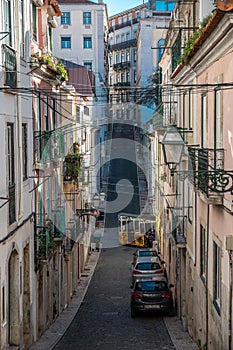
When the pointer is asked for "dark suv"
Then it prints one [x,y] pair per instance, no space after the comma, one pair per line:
[151,294]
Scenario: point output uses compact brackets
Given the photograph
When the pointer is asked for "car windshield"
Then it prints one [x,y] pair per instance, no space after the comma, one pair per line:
[147,266]
[151,286]
[147,253]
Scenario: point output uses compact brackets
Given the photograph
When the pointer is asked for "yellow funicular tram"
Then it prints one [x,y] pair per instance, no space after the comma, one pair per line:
[133,228]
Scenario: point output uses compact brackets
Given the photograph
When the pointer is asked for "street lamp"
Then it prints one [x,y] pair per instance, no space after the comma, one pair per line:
[102,196]
[172,145]
[98,198]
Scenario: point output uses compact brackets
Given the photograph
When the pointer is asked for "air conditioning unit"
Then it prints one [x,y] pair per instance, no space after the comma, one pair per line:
[38,3]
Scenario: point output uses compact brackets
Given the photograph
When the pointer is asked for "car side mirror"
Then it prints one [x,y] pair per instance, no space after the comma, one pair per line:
[171,285]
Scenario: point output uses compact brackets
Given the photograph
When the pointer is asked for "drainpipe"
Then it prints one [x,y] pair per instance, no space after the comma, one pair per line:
[230,300]
[207,273]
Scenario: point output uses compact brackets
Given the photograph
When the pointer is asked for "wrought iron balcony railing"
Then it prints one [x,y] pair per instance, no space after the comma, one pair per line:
[122,84]
[206,171]
[121,65]
[124,24]
[45,242]
[123,45]
[49,145]
[10,66]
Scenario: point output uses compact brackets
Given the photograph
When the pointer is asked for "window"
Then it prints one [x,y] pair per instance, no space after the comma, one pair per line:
[87,42]
[110,80]
[130,16]
[190,112]
[24,151]
[46,112]
[86,17]
[218,119]
[127,36]
[135,55]
[117,58]
[21,27]
[122,57]
[88,65]
[78,114]
[86,110]
[7,21]
[216,275]
[53,105]
[127,56]
[203,121]
[160,45]
[190,203]
[127,77]
[122,38]
[34,22]
[135,76]
[163,5]
[202,252]
[11,172]
[120,20]
[110,61]
[118,78]
[66,42]
[65,18]
[122,77]
[125,19]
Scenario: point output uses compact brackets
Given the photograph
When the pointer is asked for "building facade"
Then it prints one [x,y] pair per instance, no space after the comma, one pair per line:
[17,276]
[197,225]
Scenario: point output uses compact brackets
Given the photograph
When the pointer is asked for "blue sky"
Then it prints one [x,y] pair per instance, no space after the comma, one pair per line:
[116,6]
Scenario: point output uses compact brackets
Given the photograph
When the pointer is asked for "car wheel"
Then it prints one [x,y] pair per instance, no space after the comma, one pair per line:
[133,312]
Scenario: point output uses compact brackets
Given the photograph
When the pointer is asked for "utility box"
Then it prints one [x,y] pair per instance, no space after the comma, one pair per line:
[229,242]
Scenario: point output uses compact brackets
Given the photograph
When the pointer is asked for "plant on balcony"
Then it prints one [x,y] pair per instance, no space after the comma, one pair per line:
[72,164]
[192,40]
[46,243]
[62,71]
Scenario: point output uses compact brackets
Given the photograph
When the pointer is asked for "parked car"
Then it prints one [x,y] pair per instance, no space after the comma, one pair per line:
[148,266]
[151,294]
[145,252]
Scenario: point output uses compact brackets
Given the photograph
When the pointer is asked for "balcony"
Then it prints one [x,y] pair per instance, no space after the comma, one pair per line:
[122,25]
[9,57]
[45,242]
[122,84]
[206,172]
[176,52]
[121,65]
[123,45]
[179,230]
[49,146]
[72,167]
